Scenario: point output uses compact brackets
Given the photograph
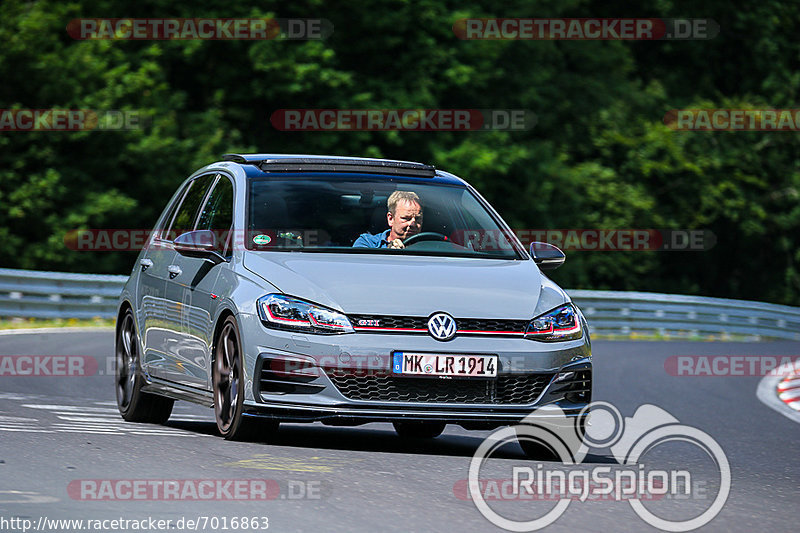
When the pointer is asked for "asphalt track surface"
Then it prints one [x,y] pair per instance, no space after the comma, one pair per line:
[56,431]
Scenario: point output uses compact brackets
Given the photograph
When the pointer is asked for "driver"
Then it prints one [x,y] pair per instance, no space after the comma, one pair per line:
[404,218]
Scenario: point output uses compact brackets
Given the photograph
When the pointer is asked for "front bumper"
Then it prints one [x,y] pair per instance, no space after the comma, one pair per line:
[569,390]
[351,416]
[314,390]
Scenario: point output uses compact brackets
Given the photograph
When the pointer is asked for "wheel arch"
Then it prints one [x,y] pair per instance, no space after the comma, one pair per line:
[124,306]
[223,316]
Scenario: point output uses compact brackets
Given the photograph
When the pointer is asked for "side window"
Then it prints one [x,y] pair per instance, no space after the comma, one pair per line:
[161,229]
[187,212]
[217,214]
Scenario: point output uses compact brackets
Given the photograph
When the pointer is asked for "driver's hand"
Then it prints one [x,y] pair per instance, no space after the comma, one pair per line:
[396,244]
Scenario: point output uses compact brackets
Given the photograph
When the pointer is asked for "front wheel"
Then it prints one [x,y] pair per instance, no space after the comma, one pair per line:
[133,404]
[228,383]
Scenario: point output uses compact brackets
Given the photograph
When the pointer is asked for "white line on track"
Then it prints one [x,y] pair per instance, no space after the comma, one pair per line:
[22,428]
[78,408]
[88,420]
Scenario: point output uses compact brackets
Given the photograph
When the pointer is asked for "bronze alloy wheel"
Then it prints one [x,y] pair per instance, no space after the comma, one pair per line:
[133,404]
[228,383]
[126,362]
[227,376]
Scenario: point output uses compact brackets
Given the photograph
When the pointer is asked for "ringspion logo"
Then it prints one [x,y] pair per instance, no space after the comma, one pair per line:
[570,481]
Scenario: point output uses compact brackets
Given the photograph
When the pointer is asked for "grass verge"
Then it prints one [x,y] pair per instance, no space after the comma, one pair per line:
[33,323]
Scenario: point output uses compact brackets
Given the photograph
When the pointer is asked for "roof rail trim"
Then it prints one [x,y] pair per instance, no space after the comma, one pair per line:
[323,164]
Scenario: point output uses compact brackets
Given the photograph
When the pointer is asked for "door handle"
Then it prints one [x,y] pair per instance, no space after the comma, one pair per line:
[145,264]
[174,271]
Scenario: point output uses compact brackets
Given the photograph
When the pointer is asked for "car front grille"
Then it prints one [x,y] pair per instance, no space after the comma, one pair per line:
[390,322]
[492,325]
[466,326]
[509,389]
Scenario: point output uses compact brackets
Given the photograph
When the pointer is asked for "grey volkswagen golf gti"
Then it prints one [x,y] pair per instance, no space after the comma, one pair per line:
[293,288]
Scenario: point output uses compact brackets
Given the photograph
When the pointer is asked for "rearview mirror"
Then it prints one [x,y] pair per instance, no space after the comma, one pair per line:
[201,243]
[547,256]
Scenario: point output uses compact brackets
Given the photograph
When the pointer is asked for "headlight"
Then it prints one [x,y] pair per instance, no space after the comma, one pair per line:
[560,324]
[284,312]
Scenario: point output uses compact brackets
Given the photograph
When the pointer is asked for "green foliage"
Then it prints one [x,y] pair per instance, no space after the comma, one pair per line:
[599,156]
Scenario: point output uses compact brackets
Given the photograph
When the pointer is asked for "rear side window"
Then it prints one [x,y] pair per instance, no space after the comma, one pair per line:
[192,200]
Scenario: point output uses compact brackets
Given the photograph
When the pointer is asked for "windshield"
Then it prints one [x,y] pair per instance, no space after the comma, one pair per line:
[350,215]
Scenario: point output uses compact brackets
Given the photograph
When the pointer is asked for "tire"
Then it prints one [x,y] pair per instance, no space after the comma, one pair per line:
[133,404]
[227,377]
[419,430]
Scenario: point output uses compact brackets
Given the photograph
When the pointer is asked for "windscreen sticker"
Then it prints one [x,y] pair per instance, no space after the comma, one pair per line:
[262,239]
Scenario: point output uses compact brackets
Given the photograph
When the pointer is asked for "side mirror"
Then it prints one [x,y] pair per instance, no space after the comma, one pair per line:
[547,256]
[201,243]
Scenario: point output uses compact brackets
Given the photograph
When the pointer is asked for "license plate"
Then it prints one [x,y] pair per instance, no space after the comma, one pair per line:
[455,365]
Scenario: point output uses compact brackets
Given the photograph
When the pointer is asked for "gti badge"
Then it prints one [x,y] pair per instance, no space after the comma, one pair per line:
[442,326]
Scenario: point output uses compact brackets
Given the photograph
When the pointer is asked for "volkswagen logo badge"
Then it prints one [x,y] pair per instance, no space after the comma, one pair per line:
[442,326]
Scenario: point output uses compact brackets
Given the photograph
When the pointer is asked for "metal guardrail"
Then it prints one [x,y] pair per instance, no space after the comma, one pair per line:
[27,293]
[36,294]
[672,315]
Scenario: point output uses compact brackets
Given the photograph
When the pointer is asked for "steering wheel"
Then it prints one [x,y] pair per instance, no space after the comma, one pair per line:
[424,236]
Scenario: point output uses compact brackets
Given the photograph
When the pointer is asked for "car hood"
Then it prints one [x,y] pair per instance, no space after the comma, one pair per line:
[410,285]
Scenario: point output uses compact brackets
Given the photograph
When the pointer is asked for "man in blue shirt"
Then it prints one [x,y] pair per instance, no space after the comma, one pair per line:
[404,219]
